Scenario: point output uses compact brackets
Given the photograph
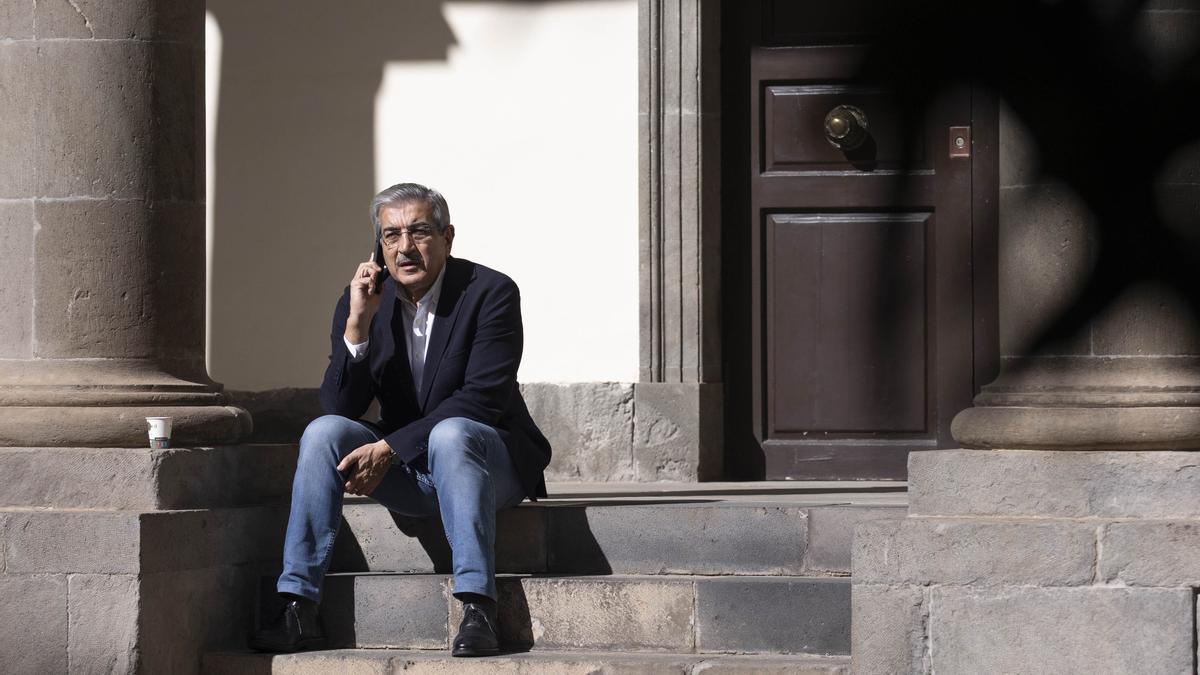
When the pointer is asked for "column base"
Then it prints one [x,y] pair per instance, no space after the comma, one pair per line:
[1079,428]
[102,404]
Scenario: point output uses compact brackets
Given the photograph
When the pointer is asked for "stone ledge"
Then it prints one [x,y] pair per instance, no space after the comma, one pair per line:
[379,662]
[658,538]
[1078,428]
[600,431]
[144,479]
[974,552]
[119,426]
[623,612]
[1054,484]
[128,542]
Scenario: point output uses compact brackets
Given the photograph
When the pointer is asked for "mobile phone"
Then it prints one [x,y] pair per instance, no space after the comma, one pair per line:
[377,258]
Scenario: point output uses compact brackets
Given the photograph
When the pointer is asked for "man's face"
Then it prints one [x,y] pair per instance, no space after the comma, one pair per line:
[417,263]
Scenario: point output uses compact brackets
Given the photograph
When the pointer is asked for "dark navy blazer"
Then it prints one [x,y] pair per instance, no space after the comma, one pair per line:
[470,370]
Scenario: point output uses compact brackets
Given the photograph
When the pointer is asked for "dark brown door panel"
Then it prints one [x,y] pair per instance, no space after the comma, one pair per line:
[846,315]
[794,131]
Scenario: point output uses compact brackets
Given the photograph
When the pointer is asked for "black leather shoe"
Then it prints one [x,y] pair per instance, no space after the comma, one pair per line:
[297,628]
[477,632]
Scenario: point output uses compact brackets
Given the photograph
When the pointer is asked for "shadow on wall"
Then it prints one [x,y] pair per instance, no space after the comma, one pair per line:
[295,153]
[1105,91]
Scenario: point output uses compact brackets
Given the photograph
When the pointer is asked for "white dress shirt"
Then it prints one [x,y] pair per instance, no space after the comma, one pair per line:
[418,319]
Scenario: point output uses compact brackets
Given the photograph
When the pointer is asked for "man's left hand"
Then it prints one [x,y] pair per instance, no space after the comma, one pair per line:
[365,467]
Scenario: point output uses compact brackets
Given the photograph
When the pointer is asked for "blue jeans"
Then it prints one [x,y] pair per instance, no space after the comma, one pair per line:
[470,477]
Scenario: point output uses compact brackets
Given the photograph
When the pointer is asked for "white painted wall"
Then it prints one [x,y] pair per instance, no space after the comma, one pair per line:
[529,127]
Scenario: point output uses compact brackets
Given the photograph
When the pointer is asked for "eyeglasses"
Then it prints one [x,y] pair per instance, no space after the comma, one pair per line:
[417,234]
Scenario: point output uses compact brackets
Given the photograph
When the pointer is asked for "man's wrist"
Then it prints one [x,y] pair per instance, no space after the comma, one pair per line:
[391,454]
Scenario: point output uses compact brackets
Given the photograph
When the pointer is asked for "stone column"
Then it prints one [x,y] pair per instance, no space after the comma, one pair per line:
[115,557]
[102,225]
[1063,537]
[678,430]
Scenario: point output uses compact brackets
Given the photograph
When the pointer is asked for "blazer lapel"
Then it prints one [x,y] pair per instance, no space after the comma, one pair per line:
[446,314]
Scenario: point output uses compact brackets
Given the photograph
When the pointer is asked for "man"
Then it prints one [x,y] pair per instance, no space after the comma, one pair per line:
[438,343]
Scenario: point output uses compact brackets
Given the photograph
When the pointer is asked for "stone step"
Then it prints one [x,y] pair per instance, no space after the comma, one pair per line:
[682,614]
[144,479]
[386,661]
[687,535]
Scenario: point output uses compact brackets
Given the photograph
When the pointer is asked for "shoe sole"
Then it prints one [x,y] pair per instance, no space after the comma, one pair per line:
[459,651]
[303,646]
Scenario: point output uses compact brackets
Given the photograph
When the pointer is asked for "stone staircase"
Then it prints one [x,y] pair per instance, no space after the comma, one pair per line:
[633,578]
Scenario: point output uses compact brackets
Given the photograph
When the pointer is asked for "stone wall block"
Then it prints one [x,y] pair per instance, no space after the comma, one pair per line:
[100,542]
[1151,553]
[16,23]
[72,477]
[62,19]
[381,611]
[1150,319]
[1017,483]
[375,540]
[4,518]
[133,20]
[981,553]
[665,539]
[1062,630]
[186,540]
[1178,207]
[103,622]
[93,292]
[184,614]
[372,539]
[747,614]
[1019,161]
[109,292]
[831,531]
[590,427]
[375,662]
[1182,167]
[633,614]
[677,432]
[767,665]
[94,135]
[280,415]
[889,629]
[177,98]
[1168,38]
[33,612]
[1046,250]
[16,275]
[190,478]
[18,109]
[176,240]
[521,540]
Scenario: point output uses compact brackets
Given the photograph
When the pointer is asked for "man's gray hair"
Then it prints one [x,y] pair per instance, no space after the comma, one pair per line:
[408,192]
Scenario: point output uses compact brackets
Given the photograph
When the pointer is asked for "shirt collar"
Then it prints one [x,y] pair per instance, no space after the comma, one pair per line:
[429,300]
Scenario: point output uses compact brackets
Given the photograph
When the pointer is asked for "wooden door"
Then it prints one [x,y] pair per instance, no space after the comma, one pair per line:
[862,312]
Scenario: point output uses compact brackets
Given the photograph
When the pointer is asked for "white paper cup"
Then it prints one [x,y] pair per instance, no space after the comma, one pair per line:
[160,432]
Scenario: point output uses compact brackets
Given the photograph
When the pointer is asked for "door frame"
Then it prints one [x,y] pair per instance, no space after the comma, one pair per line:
[685,167]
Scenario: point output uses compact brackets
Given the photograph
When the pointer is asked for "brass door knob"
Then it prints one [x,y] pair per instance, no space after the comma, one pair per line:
[846,127]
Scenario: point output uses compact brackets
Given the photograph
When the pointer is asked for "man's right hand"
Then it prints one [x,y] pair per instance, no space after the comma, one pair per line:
[364,302]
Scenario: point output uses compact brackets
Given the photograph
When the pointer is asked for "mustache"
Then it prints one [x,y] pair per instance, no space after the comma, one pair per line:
[403,258]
